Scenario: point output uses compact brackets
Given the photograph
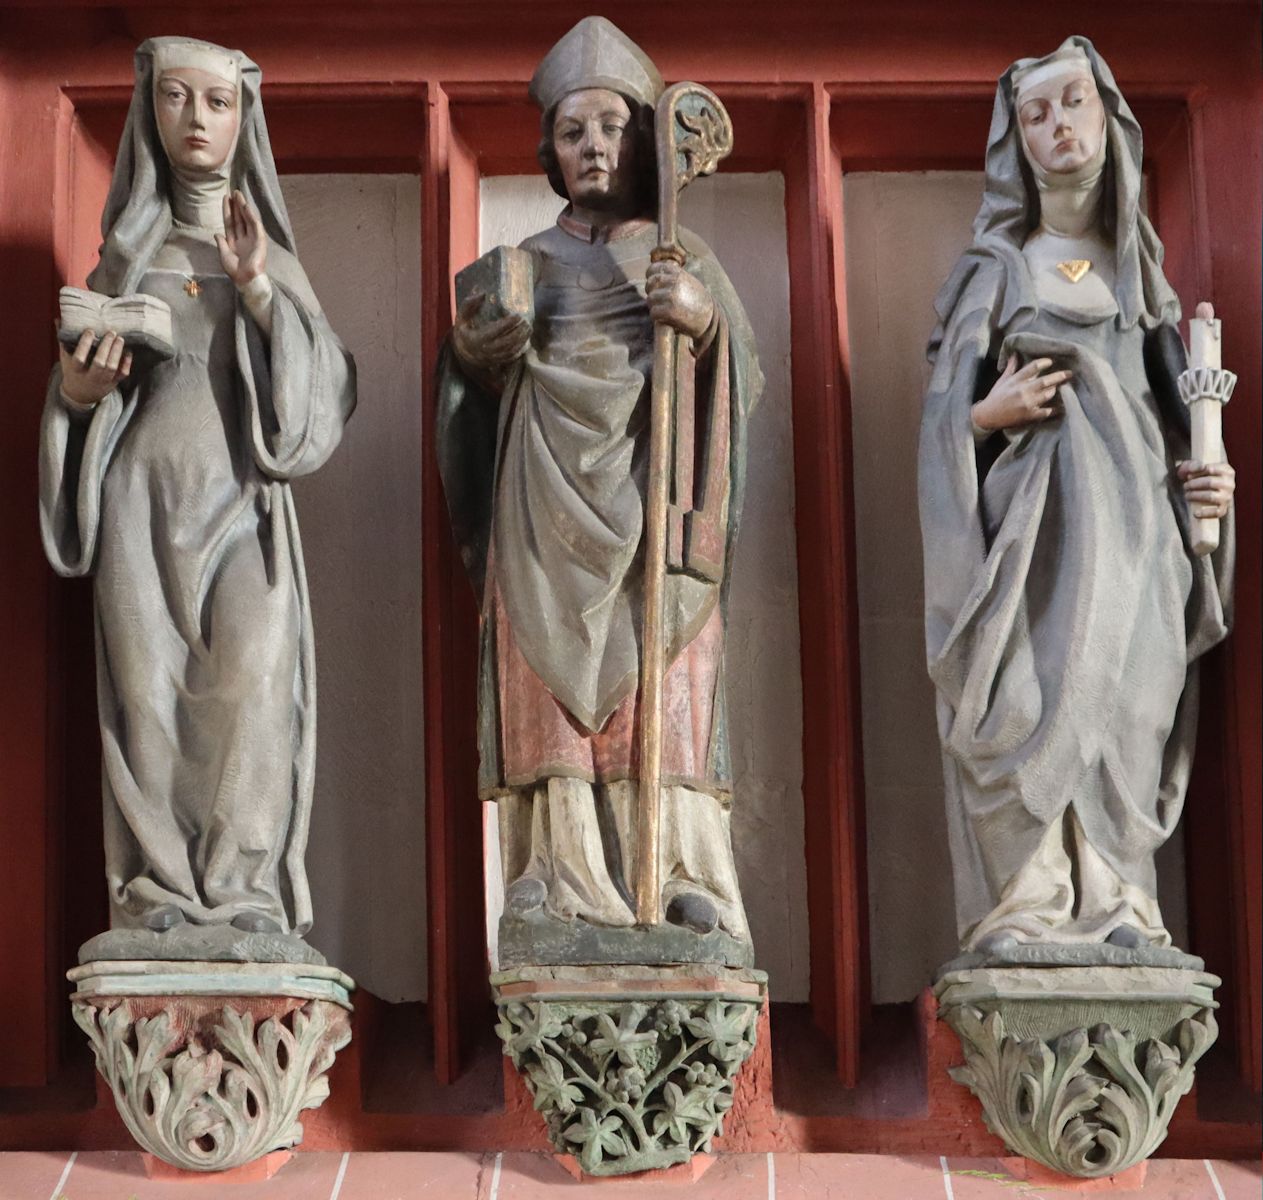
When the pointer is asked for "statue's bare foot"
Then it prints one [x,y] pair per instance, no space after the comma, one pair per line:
[693,911]
[251,922]
[999,942]
[525,895]
[1127,936]
[162,918]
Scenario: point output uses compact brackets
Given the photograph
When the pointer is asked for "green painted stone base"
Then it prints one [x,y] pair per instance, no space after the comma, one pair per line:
[1079,1068]
[632,1068]
[212,1063]
[542,939]
[199,943]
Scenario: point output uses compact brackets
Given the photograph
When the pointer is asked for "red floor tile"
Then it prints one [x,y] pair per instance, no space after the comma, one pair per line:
[1181,1179]
[1165,1179]
[858,1177]
[983,1179]
[1239,1180]
[455,1176]
[539,1177]
[405,1176]
[30,1174]
[121,1176]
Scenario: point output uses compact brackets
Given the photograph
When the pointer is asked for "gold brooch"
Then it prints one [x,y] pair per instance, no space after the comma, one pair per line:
[193,288]
[1075,269]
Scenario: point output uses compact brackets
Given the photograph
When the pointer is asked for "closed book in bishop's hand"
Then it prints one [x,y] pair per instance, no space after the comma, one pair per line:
[505,277]
[144,321]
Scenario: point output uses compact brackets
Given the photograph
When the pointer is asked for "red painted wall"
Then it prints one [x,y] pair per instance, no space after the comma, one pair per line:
[814,88]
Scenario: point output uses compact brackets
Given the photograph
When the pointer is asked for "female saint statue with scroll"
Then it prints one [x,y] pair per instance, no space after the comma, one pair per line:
[544,443]
[166,458]
[1066,601]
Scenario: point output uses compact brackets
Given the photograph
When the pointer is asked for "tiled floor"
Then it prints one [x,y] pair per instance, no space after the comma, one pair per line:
[117,1176]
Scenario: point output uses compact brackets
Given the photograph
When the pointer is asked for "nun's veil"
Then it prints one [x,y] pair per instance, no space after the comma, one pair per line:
[137,216]
[1010,211]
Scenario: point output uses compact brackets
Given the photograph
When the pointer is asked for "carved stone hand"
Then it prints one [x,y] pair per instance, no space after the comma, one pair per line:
[1021,397]
[678,299]
[243,246]
[491,346]
[87,378]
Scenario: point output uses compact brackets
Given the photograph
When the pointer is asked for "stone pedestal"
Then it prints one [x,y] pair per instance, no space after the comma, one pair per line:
[211,1063]
[632,1068]
[1079,1068]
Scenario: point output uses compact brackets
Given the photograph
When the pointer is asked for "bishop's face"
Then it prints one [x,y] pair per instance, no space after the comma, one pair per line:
[1063,119]
[595,143]
[197,117]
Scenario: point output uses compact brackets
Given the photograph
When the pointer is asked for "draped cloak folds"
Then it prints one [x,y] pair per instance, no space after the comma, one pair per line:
[545,486]
[173,493]
[1065,611]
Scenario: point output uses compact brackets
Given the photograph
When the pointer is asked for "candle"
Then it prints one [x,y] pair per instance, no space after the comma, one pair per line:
[1203,389]
[1204,343]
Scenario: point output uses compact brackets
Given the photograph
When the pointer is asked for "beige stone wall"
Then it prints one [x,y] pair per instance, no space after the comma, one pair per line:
[359,241]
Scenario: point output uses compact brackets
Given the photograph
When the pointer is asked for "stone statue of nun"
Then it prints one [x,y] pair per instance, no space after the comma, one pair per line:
[1065,612]
[543,438]
[169,485]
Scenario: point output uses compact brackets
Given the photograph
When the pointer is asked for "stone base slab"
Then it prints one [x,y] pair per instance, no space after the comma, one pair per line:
[135,977]
[1087,954]
[199,943]
[211,1063]
[632,1067]
[1046,1002]
[1079,1069]
[526,941]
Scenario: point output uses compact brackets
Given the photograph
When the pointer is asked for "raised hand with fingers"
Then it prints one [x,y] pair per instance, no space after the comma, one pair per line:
[243,246]
[1021,396]
[87,378]
[490,346]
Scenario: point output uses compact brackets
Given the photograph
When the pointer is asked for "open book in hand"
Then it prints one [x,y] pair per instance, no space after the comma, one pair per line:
[144,321]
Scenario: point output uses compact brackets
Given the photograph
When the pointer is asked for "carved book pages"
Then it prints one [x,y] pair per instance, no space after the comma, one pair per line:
[143,321]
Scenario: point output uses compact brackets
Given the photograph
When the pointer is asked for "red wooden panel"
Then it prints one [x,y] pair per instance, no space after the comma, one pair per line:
[1177,206]
[457,947]
[1228,140]
[833,772]
[27,746]
[937,62]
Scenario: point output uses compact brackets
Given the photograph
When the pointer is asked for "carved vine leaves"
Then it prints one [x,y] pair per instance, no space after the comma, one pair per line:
[1089,1103]
[630,1086]
[209,1104]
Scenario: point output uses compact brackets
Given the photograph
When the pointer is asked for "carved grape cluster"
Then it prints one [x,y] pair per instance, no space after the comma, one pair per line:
[630,1085]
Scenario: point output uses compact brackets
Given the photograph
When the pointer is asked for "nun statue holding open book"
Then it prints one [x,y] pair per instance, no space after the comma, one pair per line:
[543,442]
[171,431]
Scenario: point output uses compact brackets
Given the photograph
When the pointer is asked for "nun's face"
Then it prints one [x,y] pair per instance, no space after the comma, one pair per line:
[1063,119]
[198,115]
